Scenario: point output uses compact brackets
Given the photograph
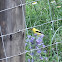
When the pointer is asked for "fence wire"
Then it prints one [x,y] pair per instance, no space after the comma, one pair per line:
[52,21]
[29,51]
[21,5]
[29,28]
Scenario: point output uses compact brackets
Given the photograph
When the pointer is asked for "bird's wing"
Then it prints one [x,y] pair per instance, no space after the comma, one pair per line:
[39,32]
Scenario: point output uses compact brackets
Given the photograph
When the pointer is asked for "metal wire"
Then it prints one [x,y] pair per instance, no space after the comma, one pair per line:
[3,46]
[28,28]
[29,51]
[21,5]
[35,49]
[55,33]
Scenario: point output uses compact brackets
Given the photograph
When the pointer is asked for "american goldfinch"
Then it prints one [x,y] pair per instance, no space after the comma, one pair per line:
[36,31]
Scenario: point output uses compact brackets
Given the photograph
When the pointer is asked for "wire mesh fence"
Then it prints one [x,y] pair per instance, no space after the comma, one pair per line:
[46,16]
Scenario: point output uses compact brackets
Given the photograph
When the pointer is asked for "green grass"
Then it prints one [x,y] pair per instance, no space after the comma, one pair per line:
[39,14]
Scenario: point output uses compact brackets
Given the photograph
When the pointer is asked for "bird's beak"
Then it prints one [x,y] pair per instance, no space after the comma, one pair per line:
[31,28]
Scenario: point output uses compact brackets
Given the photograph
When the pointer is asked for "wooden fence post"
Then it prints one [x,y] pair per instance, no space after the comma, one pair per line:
[12,21]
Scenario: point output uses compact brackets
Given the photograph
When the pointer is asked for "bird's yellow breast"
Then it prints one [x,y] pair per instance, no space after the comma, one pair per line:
[34,30]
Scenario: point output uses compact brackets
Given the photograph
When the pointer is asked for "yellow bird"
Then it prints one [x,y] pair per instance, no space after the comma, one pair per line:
[36,31]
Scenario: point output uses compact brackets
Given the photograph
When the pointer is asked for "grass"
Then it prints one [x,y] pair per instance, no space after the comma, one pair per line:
[39,14]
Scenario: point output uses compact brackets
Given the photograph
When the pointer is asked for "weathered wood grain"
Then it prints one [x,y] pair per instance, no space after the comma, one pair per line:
[12,21]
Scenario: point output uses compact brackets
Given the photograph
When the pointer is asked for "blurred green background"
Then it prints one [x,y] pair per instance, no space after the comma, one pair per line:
[40,14]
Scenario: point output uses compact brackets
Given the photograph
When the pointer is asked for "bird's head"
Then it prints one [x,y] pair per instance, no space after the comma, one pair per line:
[32,29]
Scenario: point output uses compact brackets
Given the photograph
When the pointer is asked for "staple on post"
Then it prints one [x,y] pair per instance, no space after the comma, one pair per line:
[10,37]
